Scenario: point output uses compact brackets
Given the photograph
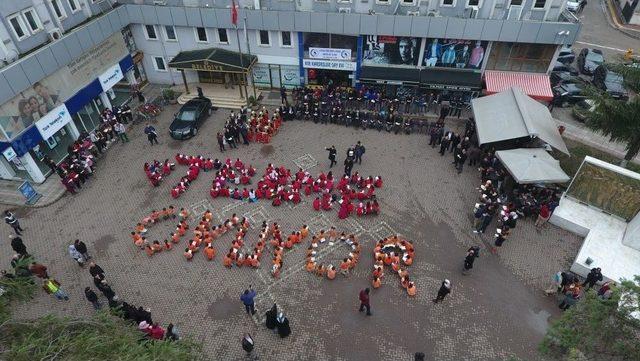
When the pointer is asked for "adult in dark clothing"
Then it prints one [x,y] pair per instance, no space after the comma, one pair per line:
[444,112]
[359,152]
[433,136]
[348,165]
[332,155]
[284,329]
[474,156]
[247,343]
[444,144]
[18,246]
[455,140]
[92,297]
[593,277]
[228,134]
[461,157]
[82,248]
[283,94]
[244,133]
[472,254]
[152,135]
[444,290]
[106,290]
[96,271]
[247,299]
[271,317]
[364,301]
[143,315]
[50,163]
[220,138]
[39,270]
[12,220]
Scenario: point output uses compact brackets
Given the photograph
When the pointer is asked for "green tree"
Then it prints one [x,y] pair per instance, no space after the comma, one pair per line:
[618,120]
[598,329]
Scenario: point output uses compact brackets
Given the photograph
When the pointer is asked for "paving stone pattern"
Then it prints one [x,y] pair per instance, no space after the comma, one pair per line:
[494,312]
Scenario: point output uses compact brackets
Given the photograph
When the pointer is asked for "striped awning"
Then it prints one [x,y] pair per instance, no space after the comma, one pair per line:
[535,85]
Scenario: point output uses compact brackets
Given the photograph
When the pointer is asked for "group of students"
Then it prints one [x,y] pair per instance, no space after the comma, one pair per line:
[79,165]
[238,253]
[394,251]
[138,235]
[331,236]
[157,170]
[232,173]
[258,127]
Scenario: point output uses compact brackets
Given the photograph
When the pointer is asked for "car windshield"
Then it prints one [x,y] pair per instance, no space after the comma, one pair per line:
[595,57]
[613,77]
[187,115]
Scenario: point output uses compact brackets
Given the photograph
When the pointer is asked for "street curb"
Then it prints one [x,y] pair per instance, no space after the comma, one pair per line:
[612,19]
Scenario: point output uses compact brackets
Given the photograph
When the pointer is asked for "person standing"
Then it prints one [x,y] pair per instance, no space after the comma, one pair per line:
[77,256]
[39,270]
[365,301]
[50,163]
[359,152]
[52,287]
[220,138]
[593,277]
[96,271]
[248,344]
[284,329]
[121,131]
[92,297]
[582,6]
[461,157]
[543,215]
[12,220]
[444,290]
[18,246]
[348,165]
[332,155]
[283,95]
[151,133]
[472,254]
[82,248]
[247,299]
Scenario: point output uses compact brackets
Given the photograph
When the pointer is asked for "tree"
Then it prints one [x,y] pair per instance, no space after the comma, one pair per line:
[618,120]
[598,329]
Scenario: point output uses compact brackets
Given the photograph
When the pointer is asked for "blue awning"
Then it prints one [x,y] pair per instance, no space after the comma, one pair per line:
[26,141]
[84,96]
[126,64]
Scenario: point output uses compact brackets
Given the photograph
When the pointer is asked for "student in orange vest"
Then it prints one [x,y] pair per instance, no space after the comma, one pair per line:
[175,237]
[304,232]
[333,234]
[210,252]
[227,261]
[377,271]
[240,260]
[331,272]
[404,281]
[255,262]
[411,289]
[290,240]
[188,254]
[403,273]
[149,250]
[376,282]
[167,246]
[311,265]
[344,267]
[156,246]
[138,240]
[141,229]
[407,259]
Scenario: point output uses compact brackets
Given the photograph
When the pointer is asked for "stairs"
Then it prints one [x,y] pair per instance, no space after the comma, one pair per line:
[229,99]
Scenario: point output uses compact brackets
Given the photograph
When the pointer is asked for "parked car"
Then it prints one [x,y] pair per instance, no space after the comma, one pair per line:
[574,5]
[561,77]
[558,66]
[566,55]
[582,109]
[589,60]
[611,82]
[568,93]
[186,122]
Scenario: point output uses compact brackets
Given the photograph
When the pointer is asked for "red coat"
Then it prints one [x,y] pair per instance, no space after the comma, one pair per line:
[316,204]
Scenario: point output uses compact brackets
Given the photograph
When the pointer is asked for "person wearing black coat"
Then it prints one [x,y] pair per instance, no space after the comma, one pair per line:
[105,289]
[96,271]
[272,317]
[92,297]
[283,326]
[82,248]
[593,277]
[18,246]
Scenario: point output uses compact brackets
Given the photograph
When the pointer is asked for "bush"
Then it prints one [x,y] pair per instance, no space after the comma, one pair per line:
[169,94]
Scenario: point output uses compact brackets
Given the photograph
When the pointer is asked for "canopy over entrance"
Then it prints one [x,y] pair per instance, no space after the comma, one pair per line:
[212,59]
[511,114]
[534,85]
[532,165]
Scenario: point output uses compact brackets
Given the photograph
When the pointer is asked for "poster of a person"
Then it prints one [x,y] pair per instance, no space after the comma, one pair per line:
[36,103]
[453,53]
[391,50]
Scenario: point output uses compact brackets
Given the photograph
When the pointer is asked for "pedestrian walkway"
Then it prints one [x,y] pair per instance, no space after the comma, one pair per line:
[51,190]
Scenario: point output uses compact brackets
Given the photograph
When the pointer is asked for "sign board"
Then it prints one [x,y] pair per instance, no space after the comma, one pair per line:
[329,64]
[261,74]
[331,54]
[10,154]
[29,193]
[111,77]
[53,121]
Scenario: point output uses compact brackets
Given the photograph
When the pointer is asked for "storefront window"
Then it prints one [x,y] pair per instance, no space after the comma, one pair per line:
[332,41]
[534,58]
[54,147]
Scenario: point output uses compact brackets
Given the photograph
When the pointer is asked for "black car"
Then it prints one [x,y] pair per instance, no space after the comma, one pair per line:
[561,77]
[568,93]
[186,122]
[566,56]
[589,60]
[564,67]
[610,81]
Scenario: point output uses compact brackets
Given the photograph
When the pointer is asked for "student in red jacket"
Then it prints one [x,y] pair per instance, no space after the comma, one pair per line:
[364,301]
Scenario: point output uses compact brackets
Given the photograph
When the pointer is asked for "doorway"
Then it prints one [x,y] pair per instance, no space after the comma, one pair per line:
[211,77]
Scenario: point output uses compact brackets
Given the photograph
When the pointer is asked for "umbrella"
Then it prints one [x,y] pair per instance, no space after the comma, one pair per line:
[532,165]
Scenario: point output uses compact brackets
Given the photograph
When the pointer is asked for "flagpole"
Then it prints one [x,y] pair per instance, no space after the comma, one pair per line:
[234,20]
[246,37]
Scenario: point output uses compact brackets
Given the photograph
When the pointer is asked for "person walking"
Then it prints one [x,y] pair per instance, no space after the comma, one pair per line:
[92,297]
[151,133]
[460,157]
[12,220]
[284,329]
[39,270]
[248,344]
[50,163]
[121,130]
[365,301]
[82,248]
[52,287]
[18,246]
[220,138]
[96,271]
[582,6]
[472,254]
[77,256]
[444,290]
[359,152]
[543,215]
[348,165]
[247,299]
[332,155]
[106,290]
[593,277]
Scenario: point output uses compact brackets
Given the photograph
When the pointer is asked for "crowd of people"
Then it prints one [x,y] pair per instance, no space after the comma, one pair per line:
[393,252]
[251,126]
[329,270]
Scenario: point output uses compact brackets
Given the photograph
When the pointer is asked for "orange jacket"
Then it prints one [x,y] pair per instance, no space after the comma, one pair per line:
[210,252]
[331,273]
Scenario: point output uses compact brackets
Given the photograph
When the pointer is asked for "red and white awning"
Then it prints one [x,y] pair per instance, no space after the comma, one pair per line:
[535,85]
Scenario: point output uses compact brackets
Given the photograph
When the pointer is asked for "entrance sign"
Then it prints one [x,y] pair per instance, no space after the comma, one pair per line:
[329,64]
[331,54]
[53,121]
[111,77]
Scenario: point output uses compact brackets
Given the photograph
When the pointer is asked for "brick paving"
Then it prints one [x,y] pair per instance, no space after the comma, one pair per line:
[495,312]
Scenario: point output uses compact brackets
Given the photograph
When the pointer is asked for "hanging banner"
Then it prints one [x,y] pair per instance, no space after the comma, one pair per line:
[261,74]
[290,76]
[53,121]
[111,77]
[329,53]
[329,64]
[391,50]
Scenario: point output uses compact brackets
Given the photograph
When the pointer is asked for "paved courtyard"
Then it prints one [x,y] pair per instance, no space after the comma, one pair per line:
[495,312]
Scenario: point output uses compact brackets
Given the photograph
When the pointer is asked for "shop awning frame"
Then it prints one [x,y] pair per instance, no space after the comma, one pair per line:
[535,85]
[449,79]
[214,60]
[390,75]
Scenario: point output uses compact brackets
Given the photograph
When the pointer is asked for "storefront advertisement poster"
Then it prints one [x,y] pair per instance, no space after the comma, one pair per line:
[454,53]
[44,96]
[390,50]
[330,54]
[111,77]
[9,154]
[329,64]
[53,121]
[261,74]
[290,75]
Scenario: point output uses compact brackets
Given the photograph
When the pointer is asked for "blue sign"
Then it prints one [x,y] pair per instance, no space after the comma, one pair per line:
[29,193]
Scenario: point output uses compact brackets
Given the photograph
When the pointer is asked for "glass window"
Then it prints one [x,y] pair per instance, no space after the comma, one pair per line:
[516,2]
[222,36]
[159,64]
[18,27]
[447,2]
[58,9]
[539,4]
[150,31]
[520,57]
[474,3]
[32,19]
[201,35]
[73,5]
[285,38]
[263,38]
[170,33]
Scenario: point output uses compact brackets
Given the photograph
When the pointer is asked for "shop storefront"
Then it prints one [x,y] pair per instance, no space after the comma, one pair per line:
[329,59]
[276,75]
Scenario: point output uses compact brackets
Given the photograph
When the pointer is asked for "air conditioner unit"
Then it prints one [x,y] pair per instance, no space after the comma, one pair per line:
[474,12]
[515,11]
[413,13]
[55,34]
[160,2]
[344,10]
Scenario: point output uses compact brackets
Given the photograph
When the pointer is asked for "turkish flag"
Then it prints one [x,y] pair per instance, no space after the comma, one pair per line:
[234,13]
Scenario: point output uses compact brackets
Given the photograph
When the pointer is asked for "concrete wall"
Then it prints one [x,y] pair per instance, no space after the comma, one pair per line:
[632,233]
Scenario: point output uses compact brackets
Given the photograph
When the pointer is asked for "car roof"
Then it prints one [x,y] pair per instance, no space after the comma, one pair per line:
[590,50]
[196,101]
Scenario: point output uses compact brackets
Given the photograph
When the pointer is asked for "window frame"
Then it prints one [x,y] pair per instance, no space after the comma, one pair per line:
[408,3]
[36,18]
[63,11]
[512,4]
[544,5]
[164,63]
[77,5]
[206,34]
[383,2]
[219,41]
[166,34]
[146,32]
[258,33]
[23,27]
[282,45]
[452,5]
[479,5]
